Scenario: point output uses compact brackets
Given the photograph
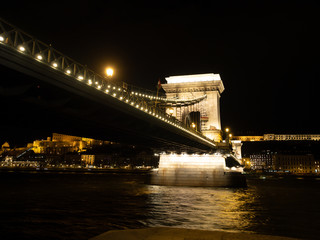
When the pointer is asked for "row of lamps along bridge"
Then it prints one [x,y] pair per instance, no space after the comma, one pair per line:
[109,73]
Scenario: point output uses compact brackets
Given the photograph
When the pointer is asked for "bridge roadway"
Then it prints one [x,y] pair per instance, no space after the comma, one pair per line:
[35,95]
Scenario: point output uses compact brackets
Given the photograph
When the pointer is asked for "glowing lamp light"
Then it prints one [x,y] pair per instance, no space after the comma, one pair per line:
[107,90]
[89,81]
[39,57]
[227,129]
[193,125]
[54,64]
[68,71]
[109,72]
[80,77]
[1,39]
[22,48]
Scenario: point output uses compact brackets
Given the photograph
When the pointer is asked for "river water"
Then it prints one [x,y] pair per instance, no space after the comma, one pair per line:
[45,205]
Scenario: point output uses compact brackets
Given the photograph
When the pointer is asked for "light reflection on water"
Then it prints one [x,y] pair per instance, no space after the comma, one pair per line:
[200,208]
[51,205]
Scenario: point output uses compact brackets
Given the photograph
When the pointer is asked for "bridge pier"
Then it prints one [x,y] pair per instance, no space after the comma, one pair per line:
[206,170]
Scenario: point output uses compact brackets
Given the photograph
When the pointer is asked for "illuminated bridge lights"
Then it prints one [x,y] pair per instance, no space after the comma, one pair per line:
[22,48]
[39,57]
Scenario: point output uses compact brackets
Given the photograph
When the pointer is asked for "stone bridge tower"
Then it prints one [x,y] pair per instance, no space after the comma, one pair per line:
[207,88]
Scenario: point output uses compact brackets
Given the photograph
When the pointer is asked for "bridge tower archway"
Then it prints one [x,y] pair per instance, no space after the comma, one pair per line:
[207,109]
[193,120]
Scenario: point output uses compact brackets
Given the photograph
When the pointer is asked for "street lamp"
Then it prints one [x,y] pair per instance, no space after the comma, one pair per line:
[171,111]
[109,72]
[193,125]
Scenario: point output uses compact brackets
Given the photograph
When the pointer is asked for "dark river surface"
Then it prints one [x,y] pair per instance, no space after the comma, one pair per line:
[46,205]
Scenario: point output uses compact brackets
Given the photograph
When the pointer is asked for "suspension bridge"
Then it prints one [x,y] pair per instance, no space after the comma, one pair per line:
[41,86]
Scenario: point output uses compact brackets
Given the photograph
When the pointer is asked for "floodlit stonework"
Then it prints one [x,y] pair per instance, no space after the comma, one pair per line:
[195,100]
[210,170]
[185,87]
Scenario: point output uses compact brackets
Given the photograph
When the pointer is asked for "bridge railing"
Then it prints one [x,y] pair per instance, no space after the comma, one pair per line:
[144,100]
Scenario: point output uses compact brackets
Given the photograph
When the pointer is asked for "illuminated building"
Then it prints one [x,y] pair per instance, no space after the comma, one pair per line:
[284,163]
[278,137]
[295,163]
[248,138]
[261,161]
[287,137]
[5,147]
[88,159]
[61,144]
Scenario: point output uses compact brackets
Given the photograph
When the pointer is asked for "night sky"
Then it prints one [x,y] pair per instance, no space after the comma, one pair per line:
[266,53]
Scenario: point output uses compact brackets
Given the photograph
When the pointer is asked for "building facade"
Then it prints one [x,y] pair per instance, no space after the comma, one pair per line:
[62,144]
[287,137]
[261,161]
[248,138]
[284,163]
[295,163]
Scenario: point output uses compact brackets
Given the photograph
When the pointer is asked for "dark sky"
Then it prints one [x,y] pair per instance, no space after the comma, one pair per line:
[266,52]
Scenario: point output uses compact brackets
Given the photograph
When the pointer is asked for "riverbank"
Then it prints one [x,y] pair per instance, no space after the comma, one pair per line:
[80,170]
[267,175]
[159,233]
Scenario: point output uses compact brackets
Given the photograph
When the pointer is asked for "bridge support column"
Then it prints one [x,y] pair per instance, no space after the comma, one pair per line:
[207,170]
[195,86]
